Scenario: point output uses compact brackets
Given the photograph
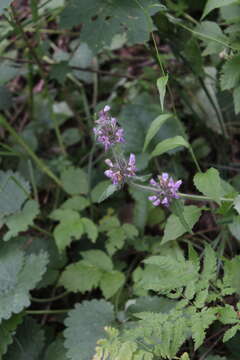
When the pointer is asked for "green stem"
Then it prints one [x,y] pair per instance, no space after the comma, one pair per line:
[43,312]
[182,195]
[35,158]
[45,232]
[54,298]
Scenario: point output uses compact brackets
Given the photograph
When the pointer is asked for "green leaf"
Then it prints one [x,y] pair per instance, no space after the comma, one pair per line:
[75,181]
[214,4]
[90,228]
[230,73]
[237,204]
[162,85]
[111,282]
[212,36]
[28,342]
[169,144]
[17,298]
[84,326]
[80,277]
[83,57]
[236,99]
[7,331]
[70,227]
[209,183]
[19,222]
[56,351]
[98,190]
[174,228]
[234,227]
[110,18]
[200,321]
[59,71]
[140,212]
[155,127]
[14,190]
[5,98]
[77,203]
[108,192]
[231,333]
[98,258]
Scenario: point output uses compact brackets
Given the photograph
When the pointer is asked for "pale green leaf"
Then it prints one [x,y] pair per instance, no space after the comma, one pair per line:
[230,333]
[228,315]
[84,326]
[200,321]
[169,144]
[80,277]
[185,356]
[22,220]
[98,258]
[214,4]
[14,191]
[209,183]
[90,228]
[162,85]
[236,99]
[75,181]
[155,127]
[111,282]
[77,203]
[174,228]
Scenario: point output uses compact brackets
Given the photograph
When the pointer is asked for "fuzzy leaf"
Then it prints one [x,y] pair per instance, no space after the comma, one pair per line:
[84,326]
[209,183]
[169,144]
[155,127]
[174,227]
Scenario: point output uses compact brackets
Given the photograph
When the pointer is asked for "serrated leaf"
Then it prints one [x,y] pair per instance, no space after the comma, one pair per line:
[155,127]
[84,326]
[80,277]
[228,315]
[17,298]
[70,227]
[231,333]
[21,221]
[162,85]
[77,203]
[108,192]
[174,228]
[7,331]
[111,282]
[169,144]
[98,258]
[230,73]
[200,321]
[90,228]
[214,4]
[14,190]
[28,342]
[209,183]
[75,181]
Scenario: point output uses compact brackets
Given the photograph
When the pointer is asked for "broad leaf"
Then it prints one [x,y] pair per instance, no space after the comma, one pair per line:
[209,183]
[230,73]
[56,351]
[174,227]
[169,144]
[155,127]
[214,4]
[75,181]
[84,326]
[7,331]
[111,282]
[90,229]
[108,192]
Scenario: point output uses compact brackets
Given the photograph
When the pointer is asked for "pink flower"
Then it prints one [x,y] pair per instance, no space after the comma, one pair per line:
[121,170]
[166,190]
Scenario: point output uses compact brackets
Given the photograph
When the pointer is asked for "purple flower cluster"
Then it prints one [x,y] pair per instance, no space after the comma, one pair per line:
[166,190]
[121,170]
[107,131]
